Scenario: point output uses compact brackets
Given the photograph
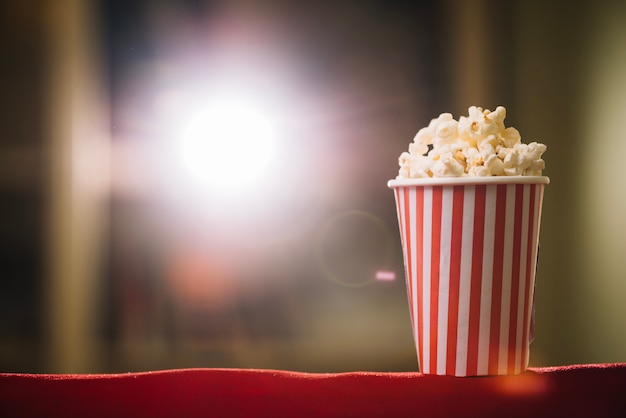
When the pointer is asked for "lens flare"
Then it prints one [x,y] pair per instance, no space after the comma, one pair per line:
[227,145]
[354,249]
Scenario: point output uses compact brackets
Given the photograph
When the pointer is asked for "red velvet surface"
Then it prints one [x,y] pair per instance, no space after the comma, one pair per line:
[596,390]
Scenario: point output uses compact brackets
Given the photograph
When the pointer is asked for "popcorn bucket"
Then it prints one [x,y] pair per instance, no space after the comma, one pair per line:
[470,255]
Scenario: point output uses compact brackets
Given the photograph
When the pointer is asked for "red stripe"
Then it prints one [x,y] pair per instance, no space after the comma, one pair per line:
[496,290]
[517,242]
[419,243]
[455,274]
[529,273]
[476,279]
[434,274]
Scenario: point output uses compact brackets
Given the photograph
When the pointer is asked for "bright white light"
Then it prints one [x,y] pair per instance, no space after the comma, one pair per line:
[227,145]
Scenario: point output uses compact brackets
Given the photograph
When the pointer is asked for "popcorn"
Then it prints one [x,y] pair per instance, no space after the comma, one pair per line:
[448,166]
[477,145]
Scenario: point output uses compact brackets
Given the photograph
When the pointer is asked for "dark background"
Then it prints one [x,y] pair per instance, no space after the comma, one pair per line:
[110,262]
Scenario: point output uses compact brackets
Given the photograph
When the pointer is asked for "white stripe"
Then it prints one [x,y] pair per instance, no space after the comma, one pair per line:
[405,235]
[414,272]
[522,277]
[425,308]
[402,223]
[401,216]
[444,277]
[465,279]
[487,281]
[509,221]
[533,266]
[536,226]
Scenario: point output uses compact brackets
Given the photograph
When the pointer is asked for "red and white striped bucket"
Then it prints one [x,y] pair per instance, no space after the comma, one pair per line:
[470,254]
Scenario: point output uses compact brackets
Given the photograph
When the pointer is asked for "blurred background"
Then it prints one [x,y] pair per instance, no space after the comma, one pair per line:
[127,245]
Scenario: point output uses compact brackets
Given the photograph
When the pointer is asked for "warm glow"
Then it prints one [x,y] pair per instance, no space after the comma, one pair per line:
[227,145]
